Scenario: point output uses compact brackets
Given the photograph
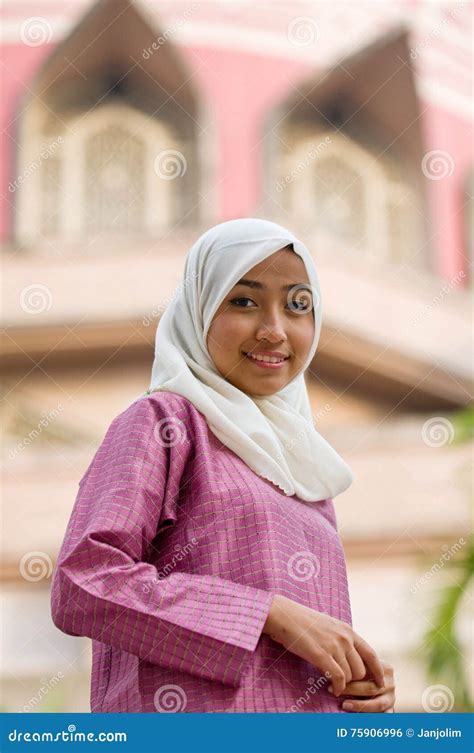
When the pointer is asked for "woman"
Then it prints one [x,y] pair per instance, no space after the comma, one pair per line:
[202,554]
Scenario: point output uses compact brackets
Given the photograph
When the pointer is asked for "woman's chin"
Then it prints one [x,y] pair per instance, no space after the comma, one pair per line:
[260,390]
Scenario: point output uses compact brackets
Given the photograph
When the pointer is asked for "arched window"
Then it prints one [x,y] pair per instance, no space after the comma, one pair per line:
[114,192]
[348,194]
[107,149]
[343,158]
[104,172]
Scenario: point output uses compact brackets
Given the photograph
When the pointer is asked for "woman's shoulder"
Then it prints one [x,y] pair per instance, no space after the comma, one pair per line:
[163,401]
[163,411]
[156,421]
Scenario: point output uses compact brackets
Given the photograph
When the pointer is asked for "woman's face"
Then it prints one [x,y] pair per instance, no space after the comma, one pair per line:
[268,312]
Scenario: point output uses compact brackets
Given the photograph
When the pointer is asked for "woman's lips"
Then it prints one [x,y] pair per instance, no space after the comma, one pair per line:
[265,364]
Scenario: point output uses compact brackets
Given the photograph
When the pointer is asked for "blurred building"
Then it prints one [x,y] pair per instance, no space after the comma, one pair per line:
[128,129]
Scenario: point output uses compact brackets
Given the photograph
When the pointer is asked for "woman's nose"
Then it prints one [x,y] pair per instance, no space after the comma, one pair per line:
[271,328]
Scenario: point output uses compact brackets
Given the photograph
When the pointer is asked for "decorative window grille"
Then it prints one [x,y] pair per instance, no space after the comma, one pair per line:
[349,193]
[114,185]
[99,173]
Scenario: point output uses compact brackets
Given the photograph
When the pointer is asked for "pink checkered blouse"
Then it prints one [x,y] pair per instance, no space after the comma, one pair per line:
[171,557]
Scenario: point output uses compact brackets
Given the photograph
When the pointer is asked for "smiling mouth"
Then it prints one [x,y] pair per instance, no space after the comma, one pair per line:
[271,362]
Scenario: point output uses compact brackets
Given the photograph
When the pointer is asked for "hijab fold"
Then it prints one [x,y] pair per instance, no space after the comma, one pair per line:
[274,435]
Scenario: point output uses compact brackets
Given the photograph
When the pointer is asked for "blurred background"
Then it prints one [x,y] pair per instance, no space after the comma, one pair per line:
[128,128]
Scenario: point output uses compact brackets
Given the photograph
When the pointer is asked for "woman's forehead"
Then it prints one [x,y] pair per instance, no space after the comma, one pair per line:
[281,263]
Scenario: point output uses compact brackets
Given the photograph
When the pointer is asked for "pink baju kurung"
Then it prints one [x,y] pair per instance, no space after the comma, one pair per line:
[171,557]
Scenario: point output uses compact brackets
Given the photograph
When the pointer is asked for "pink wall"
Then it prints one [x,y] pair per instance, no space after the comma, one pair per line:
[238,91]
[445,132]
[19,65]
[238,109]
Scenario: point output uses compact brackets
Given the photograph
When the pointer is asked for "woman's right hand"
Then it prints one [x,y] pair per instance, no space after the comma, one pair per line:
[326,642]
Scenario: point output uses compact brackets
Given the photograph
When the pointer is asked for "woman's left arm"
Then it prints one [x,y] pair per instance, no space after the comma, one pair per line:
[375,699]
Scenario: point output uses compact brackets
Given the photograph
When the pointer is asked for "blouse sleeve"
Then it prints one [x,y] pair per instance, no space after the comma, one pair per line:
[201,624]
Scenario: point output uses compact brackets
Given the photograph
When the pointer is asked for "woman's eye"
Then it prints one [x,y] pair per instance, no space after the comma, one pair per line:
[300,305]
[236,300]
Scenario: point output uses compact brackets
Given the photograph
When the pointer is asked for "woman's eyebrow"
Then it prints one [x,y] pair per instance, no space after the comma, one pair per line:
[260,286]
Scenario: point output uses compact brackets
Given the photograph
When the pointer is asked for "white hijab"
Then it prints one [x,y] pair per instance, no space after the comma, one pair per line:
[273,435]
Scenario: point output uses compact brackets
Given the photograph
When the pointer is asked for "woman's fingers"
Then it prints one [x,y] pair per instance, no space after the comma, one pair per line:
[335,672]
[331,645]
[382,703]
[368,687]
[357,666]
[363,688]
[370,659]
[344,665]
[382,700]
